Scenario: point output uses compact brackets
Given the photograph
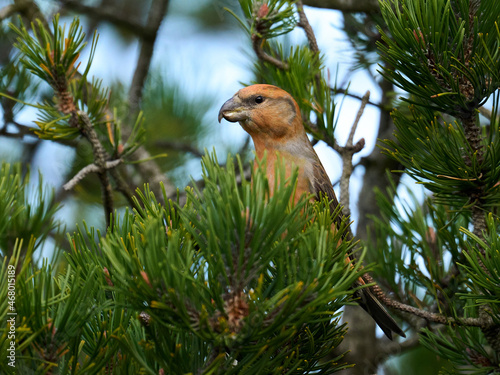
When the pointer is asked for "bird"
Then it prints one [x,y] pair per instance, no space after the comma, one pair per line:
[272,118]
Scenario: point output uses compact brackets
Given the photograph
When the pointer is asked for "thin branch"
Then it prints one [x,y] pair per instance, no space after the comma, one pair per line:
[304,24]
[485,112]
[364,101]
[91,168]
[347,93]
[8,11]
[179,146]
[155,17]
[483,322]
[30,12]
[347,152]
[366,6]
[390,348]
[108,14]
[122,186]
[100,156]
[27,131]
[257,43]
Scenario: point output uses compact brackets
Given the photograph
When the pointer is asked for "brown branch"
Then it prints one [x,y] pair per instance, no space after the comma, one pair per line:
[336,91]
[155,17]
[482,322]
[257,43]
[100,156]
[347,152]
[485,112]
[8,11]
[366,6]
[148,170]
[179,146]
[122,186]
[30,11]
[91,168]
[390,348]
[107,14]
[304,24]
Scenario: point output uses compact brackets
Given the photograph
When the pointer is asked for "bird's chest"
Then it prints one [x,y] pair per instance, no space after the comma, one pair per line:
[286,164]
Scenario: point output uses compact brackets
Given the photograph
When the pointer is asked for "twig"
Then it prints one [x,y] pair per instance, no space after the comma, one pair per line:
[155,17]
[366,6]
[304,23]
[485,112]
[483,322]
[257,43]
[390,348]
[100,156]
[30,12]
[122,186]
[347,153]
[107,14]
[8,11]
[336,91]
[179,146]
[91,168]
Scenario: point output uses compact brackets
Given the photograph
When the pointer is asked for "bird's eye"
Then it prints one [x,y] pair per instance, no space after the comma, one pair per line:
[259,99]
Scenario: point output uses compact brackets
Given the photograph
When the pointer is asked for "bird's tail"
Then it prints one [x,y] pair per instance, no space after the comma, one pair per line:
[372,306]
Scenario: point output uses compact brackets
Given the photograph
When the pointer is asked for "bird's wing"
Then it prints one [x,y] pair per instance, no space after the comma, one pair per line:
[321,186]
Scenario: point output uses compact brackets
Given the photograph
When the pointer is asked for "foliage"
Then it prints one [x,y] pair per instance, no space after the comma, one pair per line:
[24,216]
[203,280]
[441,256]
[238,280]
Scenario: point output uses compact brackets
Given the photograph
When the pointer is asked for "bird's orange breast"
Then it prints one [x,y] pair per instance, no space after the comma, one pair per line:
[290,163]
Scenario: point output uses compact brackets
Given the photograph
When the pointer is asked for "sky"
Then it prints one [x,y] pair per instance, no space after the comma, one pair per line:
[215,64]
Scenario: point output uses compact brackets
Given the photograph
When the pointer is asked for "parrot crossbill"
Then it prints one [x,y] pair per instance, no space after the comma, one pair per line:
[272,118]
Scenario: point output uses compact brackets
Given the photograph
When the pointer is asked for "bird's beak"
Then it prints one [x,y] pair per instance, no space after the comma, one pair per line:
[233,110]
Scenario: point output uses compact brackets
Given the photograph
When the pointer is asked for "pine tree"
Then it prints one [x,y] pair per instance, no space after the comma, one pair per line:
[227,278]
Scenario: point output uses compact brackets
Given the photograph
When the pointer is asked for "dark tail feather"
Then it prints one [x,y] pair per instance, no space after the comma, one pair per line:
[373,307]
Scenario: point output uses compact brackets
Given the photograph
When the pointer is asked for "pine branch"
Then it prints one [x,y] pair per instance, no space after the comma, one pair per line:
[149,170]
[304,24]
[100,157]
[485,322]
[91,168]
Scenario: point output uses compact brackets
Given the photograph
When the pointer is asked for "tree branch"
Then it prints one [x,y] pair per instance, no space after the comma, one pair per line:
[155,17]
[367,6]
[257,43]
[100,156]
[482,322]
[347,153]
[351,95]
[8,11]
[108,14]
[179,146]
[91,168]
[304,24]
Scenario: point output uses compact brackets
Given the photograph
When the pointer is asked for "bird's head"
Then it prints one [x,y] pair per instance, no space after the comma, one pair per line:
[266,112]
